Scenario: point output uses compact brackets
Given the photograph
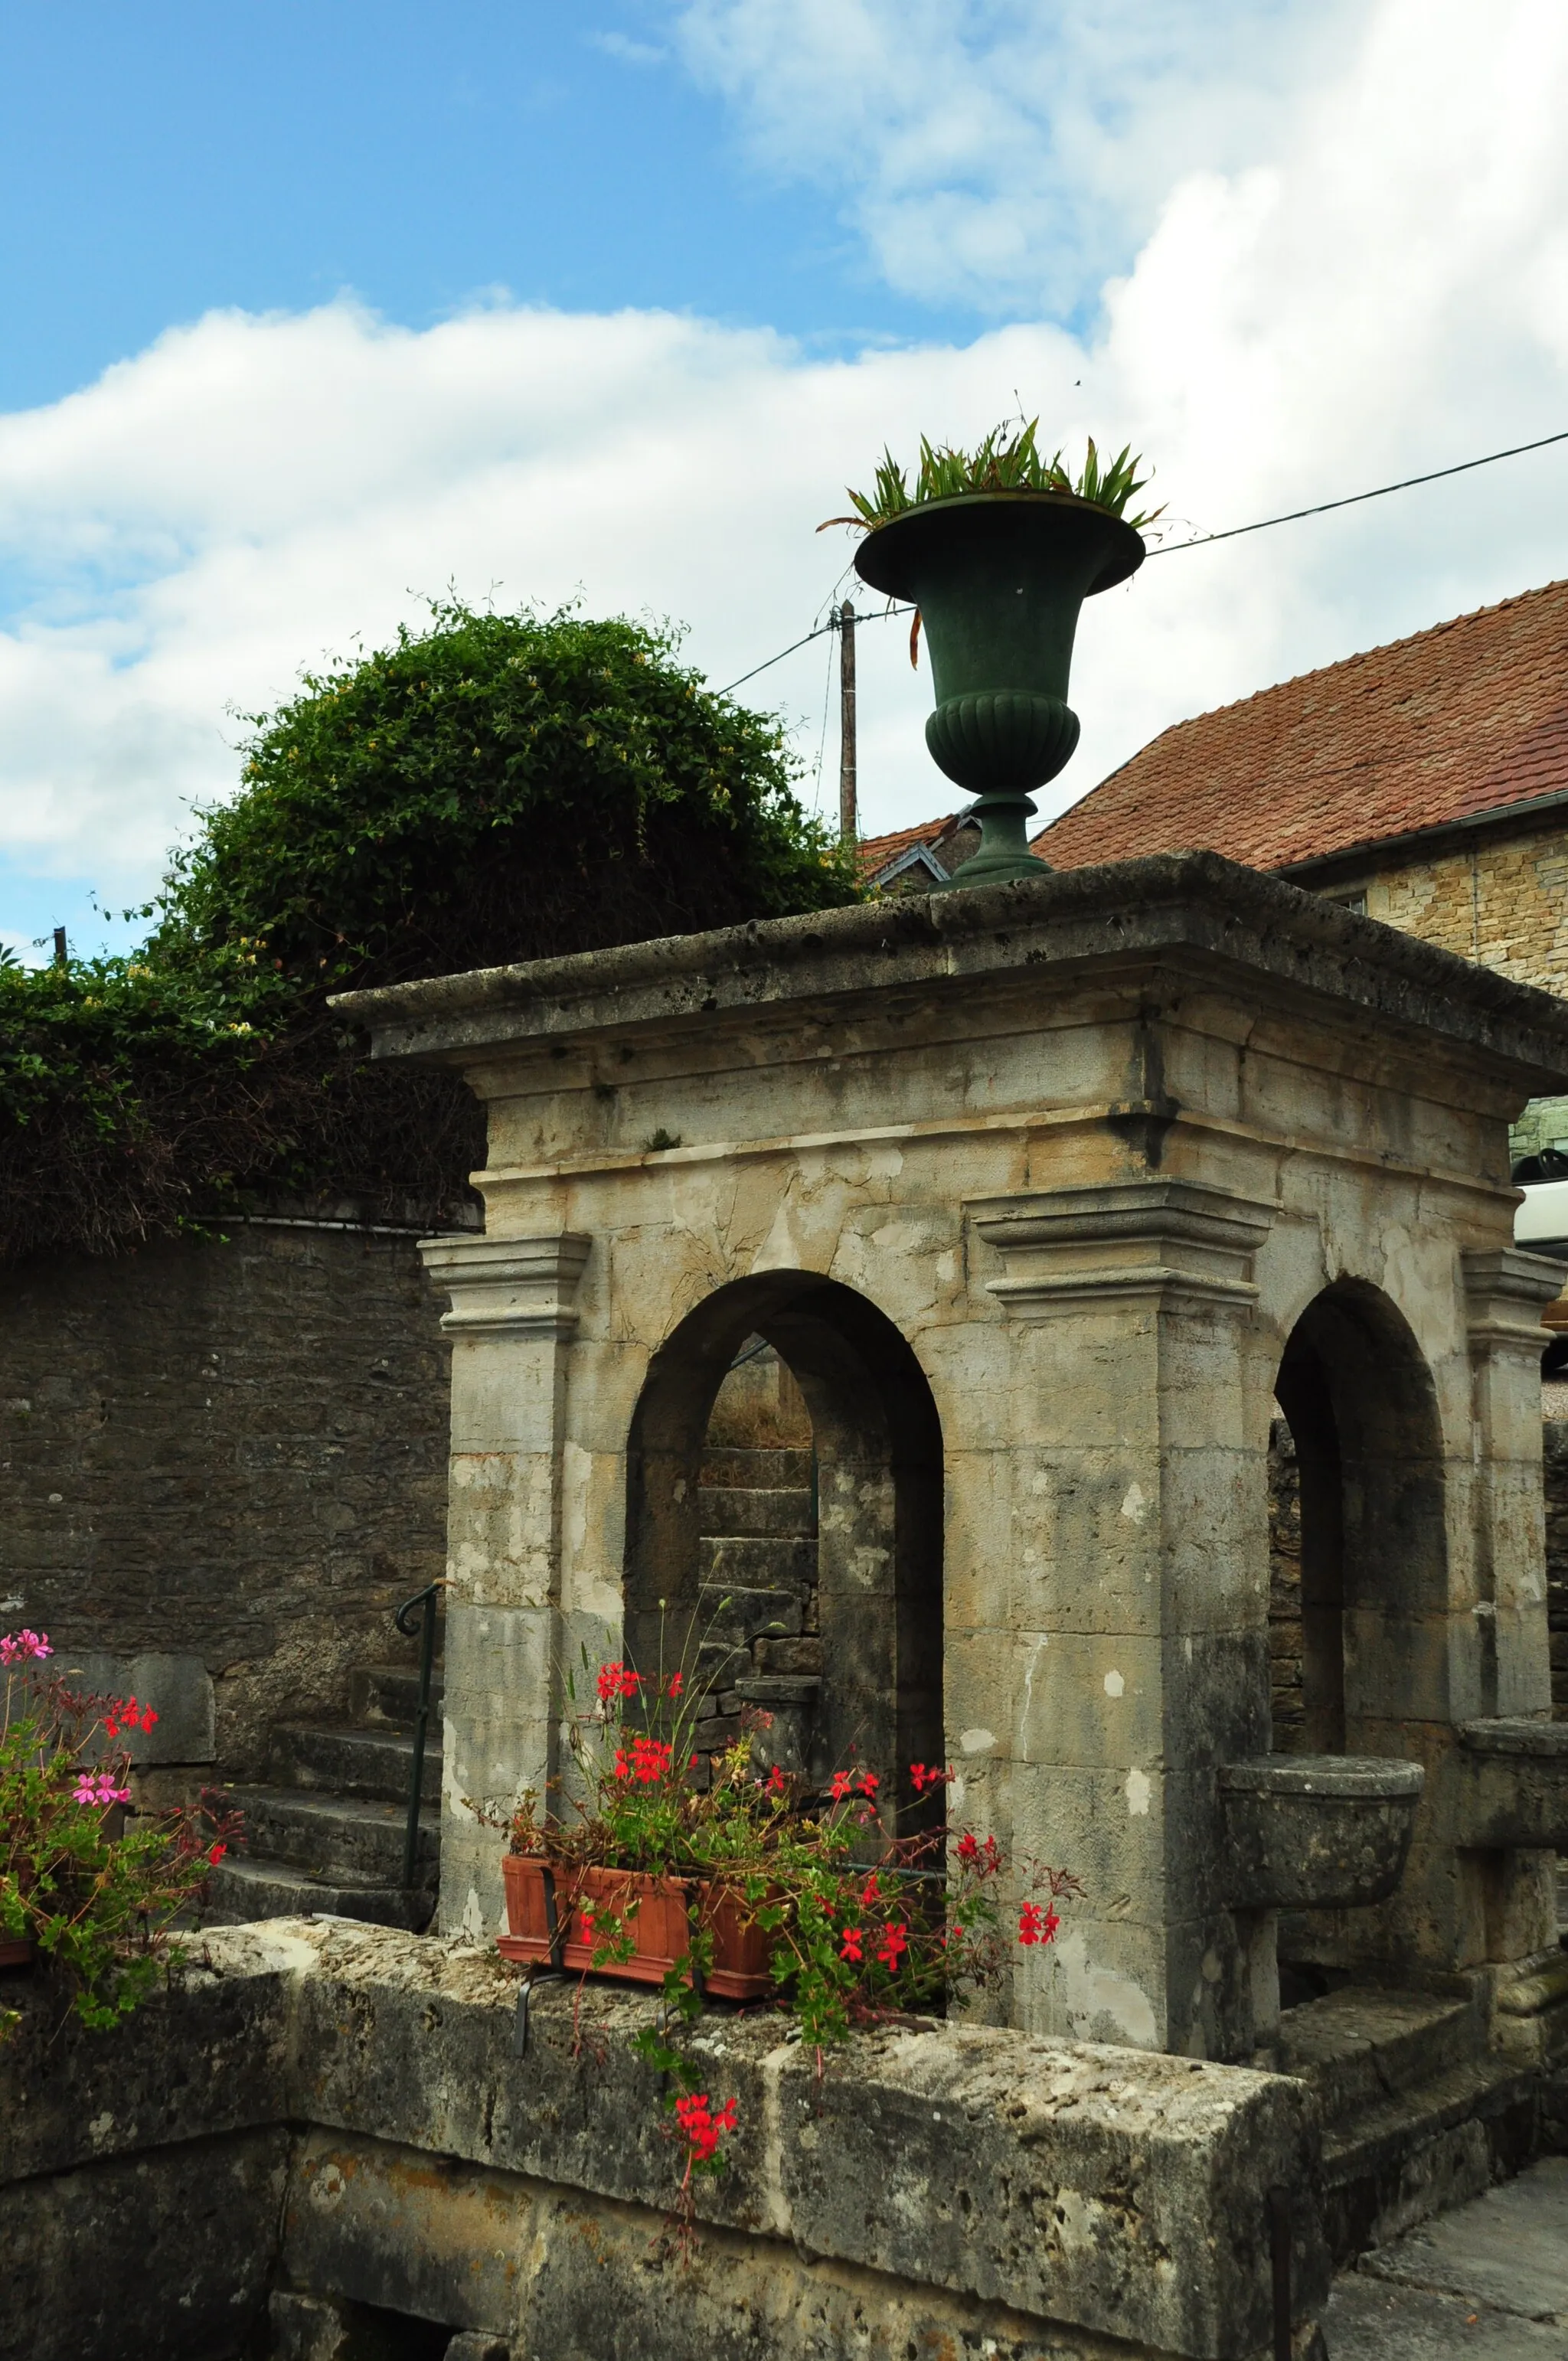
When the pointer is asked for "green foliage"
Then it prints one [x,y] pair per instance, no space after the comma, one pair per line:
[99,1906]
[497,787]
[1005,461]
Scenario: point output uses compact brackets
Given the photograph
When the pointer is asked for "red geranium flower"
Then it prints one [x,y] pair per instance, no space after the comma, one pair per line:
[894,1944]
[1036,1926]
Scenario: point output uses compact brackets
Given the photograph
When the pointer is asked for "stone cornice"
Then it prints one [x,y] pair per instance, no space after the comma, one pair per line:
[1161,1240]
[1193,913]
[509,1287]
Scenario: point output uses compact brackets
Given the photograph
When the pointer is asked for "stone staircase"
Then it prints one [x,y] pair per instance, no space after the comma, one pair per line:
[1419,2111]
[758,1591]
[325,1831]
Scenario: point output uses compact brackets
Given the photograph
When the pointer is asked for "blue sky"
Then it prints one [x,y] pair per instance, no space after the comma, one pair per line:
[308,313]
[163,161]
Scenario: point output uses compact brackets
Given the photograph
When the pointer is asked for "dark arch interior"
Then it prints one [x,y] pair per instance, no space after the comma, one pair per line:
[1360,1409]
[878,1481]
[1359,1569]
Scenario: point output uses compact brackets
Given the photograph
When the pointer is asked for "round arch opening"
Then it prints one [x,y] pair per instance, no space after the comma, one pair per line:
[794,1562]
[1359,1589]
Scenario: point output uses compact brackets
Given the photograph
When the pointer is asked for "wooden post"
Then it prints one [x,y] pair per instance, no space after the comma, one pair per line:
[62,956]
[848,821]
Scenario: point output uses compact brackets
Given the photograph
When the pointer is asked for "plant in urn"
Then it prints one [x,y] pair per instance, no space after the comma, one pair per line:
[997,550]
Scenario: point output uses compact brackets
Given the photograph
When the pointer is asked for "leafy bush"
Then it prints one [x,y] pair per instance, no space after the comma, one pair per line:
[496,787]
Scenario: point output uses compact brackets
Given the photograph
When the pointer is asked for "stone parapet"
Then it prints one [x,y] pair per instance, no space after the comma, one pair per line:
[1060,2198]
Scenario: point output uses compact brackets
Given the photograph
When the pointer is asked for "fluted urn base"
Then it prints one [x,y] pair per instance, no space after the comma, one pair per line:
[993,740]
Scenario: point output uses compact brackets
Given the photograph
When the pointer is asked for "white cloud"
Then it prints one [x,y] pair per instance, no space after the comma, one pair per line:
[1005,153]
[625,51]
[1387,290]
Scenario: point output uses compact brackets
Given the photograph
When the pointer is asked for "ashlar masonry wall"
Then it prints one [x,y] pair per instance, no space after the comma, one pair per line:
[223,1464]
[1500,897]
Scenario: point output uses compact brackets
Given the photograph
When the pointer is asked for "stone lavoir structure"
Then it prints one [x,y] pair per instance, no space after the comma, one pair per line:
[1041,1193]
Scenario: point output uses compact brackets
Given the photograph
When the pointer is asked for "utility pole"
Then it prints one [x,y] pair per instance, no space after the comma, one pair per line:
[62,956]
[849,822]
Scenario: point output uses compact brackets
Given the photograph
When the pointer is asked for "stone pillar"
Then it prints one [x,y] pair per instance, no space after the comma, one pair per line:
[1510,1672]
[1501,1649]
[1130,1629]
[512,1320]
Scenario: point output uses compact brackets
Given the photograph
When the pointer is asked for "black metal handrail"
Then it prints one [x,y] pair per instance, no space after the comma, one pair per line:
[424,1630]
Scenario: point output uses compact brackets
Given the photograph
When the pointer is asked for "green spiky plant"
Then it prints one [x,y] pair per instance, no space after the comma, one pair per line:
[1006,461]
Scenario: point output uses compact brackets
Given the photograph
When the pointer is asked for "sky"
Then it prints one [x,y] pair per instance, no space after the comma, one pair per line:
[309,314]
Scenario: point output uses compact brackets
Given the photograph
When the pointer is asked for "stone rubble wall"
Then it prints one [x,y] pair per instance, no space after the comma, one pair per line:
[329,2113]
[222,1466]
[1554,1473]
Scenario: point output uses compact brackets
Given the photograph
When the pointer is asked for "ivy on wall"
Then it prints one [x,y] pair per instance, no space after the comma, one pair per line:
[494,789]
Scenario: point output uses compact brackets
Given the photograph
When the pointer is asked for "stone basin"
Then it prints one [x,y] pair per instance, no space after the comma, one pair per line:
[1513,1784]
[1316,1831]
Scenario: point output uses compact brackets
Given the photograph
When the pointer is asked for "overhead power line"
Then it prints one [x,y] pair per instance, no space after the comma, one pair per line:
[1351,499]
[1202,540]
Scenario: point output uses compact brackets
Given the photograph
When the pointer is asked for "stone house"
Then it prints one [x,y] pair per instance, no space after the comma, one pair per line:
[1424,784]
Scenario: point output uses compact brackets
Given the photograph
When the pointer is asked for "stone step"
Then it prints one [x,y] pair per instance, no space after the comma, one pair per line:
[732,1509]
[1419,2113]
[757,1562]
[1359,2046]
[732,1618]
[343,1839]
[388,1693]
[248,1888]
[373,1761]
[757,1470]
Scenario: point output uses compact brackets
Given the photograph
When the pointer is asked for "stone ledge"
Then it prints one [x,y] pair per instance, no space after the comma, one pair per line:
[1212,909]
[1112,2192]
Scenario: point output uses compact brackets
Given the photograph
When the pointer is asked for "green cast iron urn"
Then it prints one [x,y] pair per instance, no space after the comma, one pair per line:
[999,578]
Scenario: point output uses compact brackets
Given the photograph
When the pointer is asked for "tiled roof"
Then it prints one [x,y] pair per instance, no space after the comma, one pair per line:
[877,851]
[1457,720]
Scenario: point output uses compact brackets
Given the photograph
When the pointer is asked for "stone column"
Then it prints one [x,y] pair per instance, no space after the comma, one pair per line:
[1500,1652]
[512,1320]
[1130,1627]
[1504,1294]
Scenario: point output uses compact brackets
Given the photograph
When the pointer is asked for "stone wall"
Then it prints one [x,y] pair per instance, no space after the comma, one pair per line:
[1554,1473]
[223,1464]
[1284,1642]
[1499,897]
[340,2125]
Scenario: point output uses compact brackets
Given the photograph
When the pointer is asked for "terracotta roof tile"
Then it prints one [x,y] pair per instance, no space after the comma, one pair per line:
[1464,719]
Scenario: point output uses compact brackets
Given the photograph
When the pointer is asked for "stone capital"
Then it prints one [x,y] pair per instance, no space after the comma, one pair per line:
[1506,1291]
[509,1287]
[1165,1241]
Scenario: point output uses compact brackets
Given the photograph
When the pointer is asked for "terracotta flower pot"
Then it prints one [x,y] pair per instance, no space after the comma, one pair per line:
[659,1926]
[17,1950]
[591,1904]
[741,1949]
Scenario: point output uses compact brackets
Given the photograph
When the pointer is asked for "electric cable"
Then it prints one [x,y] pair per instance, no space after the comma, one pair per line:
[1202,540]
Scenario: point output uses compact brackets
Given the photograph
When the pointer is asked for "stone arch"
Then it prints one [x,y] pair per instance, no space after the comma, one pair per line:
[1359,1400]
[879,1459]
